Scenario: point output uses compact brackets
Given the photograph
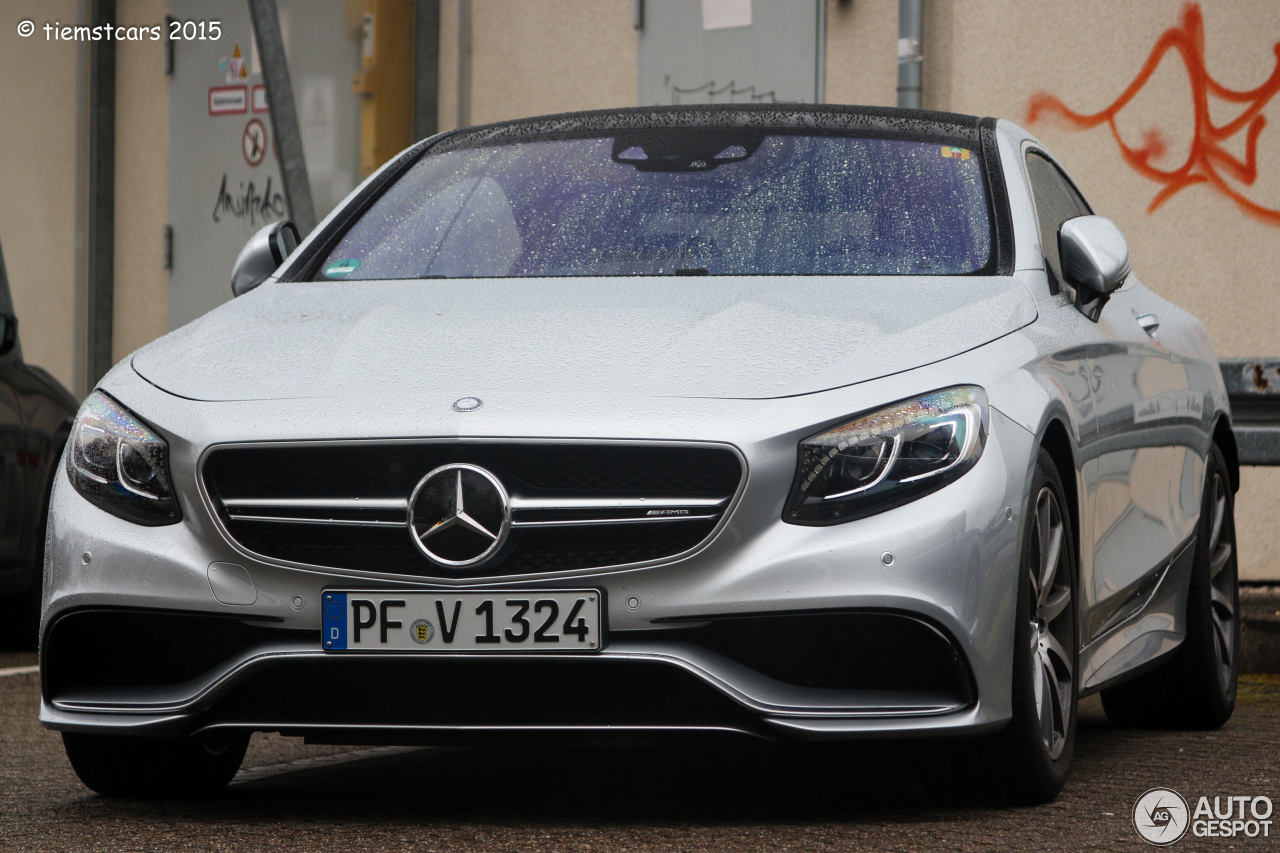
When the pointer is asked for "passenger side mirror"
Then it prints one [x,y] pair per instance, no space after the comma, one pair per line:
[263,255]
[1095,260]
[8,333]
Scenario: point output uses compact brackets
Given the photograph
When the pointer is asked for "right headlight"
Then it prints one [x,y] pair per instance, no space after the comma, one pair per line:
[888,457]
[120,465]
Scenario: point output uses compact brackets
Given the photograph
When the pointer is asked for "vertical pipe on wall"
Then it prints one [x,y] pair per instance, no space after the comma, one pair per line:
[102,178]
[820,84]
[80,382]
[464,63]
[910,52]
[426,68]
[284,114]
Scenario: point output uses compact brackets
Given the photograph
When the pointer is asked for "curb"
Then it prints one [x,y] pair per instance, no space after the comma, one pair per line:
[1260,629]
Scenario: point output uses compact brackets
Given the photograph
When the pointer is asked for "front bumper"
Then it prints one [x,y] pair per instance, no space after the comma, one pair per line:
[951,575]
[186,672]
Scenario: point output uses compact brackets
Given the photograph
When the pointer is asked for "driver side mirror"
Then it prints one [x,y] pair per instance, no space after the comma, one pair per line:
[1095,261]
[263,255]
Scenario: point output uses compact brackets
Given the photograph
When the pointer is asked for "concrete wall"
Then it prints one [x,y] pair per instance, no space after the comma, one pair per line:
[862,53]
[38,174]
[539,56]
[142,182]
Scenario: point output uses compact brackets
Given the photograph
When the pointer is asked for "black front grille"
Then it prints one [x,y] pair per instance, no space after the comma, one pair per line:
[391,471]
[530,551]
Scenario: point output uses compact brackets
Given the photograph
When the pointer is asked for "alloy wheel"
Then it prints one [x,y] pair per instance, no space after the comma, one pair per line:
[1221,584]
[1052,624]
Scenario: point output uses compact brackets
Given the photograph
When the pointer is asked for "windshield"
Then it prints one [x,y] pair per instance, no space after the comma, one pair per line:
[721,202]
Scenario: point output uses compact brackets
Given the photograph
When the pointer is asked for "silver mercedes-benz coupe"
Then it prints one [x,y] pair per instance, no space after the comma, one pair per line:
[807,423]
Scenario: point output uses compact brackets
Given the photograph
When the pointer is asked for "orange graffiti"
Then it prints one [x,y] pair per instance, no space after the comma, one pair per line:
[1207,160]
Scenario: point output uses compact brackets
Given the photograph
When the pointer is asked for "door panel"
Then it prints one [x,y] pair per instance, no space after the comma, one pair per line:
[1146,497]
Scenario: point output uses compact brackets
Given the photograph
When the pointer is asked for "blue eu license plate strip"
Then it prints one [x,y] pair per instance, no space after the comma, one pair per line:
[335,620]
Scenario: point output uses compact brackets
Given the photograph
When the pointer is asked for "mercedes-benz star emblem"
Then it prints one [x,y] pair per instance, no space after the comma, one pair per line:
[467,404]
[459,515]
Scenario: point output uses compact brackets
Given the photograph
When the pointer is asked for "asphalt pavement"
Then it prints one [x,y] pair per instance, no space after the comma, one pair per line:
[620,797]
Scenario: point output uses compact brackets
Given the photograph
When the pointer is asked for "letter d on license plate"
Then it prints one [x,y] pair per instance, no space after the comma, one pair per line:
[487,621]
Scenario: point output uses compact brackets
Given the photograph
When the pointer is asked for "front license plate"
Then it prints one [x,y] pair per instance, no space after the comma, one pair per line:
[487,621]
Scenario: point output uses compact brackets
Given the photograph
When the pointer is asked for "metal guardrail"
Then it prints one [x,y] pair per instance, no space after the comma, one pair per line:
[1253,385]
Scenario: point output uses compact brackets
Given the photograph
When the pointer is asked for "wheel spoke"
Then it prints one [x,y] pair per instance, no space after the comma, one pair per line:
[1049,567]
[1058,702]
[1043,519]
[1222,603]
[1046,703]
[1221,641]
[1054,606]
[1057,656]
[1038,682]
[1221,556]
[1219,513]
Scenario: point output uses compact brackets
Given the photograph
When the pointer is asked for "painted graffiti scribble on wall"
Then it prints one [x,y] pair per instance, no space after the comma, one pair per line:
[708,93]
[1207,161]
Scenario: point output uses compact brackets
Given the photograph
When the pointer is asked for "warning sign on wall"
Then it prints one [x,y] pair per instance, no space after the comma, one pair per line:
[254,142]
[236,69]
[226,100]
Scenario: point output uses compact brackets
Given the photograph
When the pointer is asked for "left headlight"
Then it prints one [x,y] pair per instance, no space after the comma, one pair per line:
[888,457]
[120,465]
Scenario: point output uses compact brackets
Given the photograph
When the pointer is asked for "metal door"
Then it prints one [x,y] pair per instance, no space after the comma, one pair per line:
[731,51]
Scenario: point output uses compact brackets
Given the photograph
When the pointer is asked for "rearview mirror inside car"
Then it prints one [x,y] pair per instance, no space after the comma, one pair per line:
[1095,260]
[263,255]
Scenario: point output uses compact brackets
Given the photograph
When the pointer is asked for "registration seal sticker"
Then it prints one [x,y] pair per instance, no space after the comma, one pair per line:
[422,631]
[343,267]
[948,151]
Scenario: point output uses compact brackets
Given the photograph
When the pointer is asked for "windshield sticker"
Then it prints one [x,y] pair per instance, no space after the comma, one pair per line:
[345,267]
[959,153]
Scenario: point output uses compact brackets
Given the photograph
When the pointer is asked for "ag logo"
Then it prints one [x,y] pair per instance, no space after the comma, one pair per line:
[1161,816]
[422,631]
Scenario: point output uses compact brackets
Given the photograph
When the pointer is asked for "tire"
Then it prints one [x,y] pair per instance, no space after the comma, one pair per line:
[154,767]
[1196,688]
[1028,761]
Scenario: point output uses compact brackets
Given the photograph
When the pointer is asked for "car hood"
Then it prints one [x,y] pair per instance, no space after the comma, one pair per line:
[752,337]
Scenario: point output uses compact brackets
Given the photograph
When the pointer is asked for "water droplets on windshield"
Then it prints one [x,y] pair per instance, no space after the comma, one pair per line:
[723,202]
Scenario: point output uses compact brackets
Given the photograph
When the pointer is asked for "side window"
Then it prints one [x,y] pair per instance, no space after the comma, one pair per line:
[1056,201]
